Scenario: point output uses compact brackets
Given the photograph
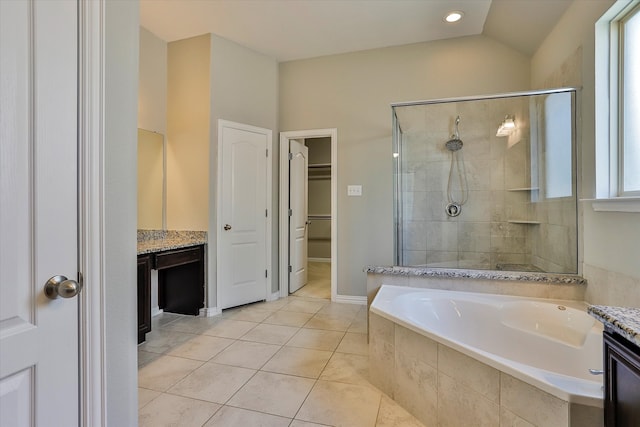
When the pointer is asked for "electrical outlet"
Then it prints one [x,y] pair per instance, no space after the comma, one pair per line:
[354,190]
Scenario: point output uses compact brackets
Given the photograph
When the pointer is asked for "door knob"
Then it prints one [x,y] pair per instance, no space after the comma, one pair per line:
[227,227]
[60,286]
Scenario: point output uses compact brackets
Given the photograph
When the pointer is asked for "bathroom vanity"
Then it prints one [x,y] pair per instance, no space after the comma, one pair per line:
[179,257]
[621,364]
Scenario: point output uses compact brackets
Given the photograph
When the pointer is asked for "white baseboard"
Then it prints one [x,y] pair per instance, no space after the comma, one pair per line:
[210,311]
[319,259]
[349,299]
[156,310]
[274,296]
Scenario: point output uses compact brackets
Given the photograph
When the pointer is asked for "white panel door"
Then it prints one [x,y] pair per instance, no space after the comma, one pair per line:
[38,212]
[242,260]
[299,213]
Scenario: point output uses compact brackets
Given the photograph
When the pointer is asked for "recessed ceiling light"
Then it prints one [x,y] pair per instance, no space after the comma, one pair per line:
[453,16]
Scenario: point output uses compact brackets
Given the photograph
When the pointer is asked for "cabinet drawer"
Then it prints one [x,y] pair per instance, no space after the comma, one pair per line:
[178,257]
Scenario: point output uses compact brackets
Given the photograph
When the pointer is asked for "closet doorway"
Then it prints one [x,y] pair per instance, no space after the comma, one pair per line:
[308,208]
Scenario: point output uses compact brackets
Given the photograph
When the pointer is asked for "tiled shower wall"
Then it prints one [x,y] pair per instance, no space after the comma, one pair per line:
[493,230]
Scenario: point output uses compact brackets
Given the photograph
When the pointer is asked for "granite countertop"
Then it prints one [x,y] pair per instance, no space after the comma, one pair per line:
[567,279]
[623,320]
[150,241]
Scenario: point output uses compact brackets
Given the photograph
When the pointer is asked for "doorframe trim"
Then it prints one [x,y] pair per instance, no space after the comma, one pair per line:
[222,123]
[284,205]
[91,219]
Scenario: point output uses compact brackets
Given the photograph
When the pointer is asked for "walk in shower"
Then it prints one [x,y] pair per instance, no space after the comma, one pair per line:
[487,182]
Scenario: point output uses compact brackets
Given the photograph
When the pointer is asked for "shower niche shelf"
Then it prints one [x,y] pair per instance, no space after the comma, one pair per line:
[524,189]
[523,221]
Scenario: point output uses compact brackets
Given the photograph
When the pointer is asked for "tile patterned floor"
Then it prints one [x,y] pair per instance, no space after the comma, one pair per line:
[318,281]
[294,362]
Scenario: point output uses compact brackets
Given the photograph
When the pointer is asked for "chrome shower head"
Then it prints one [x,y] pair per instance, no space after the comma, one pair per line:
[455,143]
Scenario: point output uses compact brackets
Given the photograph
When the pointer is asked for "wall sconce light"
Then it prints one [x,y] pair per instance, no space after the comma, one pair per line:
[507,126]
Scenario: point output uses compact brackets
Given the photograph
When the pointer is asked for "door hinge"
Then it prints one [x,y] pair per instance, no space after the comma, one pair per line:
[290,156]
[265,273]
[267,154]
[290,269]
[266,213]
[290,212]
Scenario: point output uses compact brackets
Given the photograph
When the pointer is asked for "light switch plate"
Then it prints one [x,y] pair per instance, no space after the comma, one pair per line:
[354,190]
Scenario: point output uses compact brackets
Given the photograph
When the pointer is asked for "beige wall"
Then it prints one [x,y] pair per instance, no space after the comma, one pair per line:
[152,83]
[352,93]
[188,132]
[610,251]
[244,89]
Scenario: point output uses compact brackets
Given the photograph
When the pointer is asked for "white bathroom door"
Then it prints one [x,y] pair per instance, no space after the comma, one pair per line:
[299,214]
[39,383]
[242,214]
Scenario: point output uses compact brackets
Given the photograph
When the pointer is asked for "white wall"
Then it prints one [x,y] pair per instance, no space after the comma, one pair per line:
[352,92]
[244,89]
[610,239]
[152,83]
[120,116]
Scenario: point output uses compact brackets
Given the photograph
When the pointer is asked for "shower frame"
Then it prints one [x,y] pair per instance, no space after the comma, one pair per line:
[397,150]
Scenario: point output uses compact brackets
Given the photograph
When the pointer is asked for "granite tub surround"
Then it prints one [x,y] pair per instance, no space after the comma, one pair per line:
[624,321]
[525,284]
[150,241]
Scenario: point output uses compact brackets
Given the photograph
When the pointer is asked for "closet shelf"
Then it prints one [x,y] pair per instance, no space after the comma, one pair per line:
[524,189]
[320,166]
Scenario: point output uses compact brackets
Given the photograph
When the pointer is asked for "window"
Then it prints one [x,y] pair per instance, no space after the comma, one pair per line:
[629,97]
[618,108]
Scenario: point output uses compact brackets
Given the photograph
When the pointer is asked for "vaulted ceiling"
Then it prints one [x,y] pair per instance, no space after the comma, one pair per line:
[296,29]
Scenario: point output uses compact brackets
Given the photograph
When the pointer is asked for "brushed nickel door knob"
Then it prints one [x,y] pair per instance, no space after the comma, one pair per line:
[227,227]
[60,286]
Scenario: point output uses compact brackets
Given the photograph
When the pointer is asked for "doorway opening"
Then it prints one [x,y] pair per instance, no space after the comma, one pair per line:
[308,213]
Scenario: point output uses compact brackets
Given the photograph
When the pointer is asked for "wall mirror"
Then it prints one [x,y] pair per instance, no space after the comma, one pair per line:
[151,180]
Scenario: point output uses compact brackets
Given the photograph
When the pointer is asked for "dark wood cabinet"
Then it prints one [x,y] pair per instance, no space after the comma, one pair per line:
[622,381]
[144,296]
[181,280]
[180,283]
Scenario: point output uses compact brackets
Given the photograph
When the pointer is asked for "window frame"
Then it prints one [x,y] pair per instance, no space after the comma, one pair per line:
[608,194]
[619,63]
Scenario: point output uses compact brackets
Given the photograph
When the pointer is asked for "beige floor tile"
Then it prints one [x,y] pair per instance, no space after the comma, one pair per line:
[250,314]
[191,324]
[275,394]
[163,340]
[347,368]
[165,371]
[316,339]
[273,305]
[302,362]
[320,321]
[354,344]
[393,415]
[246,354]
[228,328]
[340,404]
[213,382]
[144,357]
[145,396]
[229,416]
[288,318]
[298,423]
[340,311]
[163,319]
[170,411]
[270,334]
[201,347]
[304,306]
[358,326]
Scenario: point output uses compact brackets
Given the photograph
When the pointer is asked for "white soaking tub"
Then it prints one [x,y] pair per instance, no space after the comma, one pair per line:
[548,344]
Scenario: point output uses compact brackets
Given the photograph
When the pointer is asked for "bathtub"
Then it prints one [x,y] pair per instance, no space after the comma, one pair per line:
[546,344]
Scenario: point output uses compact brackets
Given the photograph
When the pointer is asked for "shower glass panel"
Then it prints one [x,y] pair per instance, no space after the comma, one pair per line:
[487,182]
